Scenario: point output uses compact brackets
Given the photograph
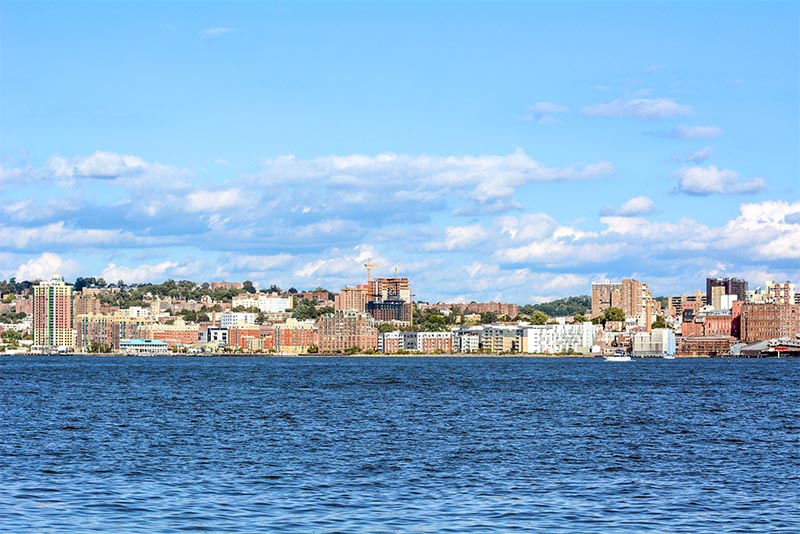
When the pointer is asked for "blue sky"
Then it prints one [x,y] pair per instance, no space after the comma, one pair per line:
[486,150]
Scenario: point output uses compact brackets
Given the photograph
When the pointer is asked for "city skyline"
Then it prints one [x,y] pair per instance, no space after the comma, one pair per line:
[512,152]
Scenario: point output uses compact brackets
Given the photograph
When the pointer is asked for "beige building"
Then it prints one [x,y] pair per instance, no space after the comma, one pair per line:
[352,298]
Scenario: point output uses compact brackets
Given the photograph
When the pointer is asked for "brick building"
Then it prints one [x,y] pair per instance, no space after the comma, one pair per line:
[346,329]
[769,321]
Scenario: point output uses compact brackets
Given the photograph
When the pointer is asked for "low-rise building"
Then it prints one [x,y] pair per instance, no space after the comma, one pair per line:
[143,347]
[657,342]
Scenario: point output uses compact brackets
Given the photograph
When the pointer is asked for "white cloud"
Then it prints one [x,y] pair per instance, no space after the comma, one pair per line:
[763,230]
[711,180]
[460,237]
[542,112]
[148,273]
[640,108]
[478,178]
[202,201]
[342,265]
[46,266]
[640,205]
[212,33]
[696,132]
[98,165]
[59,235]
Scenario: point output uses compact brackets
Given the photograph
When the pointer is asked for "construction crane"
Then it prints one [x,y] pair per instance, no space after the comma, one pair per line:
[369,265]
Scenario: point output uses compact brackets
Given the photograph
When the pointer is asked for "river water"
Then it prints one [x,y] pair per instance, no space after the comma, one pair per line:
[116,444]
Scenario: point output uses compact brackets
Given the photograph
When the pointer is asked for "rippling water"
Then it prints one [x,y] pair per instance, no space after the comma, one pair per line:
[398,445]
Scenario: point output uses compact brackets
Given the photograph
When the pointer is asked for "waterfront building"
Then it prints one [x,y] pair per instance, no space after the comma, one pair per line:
[657,342]
[143,347]
[53,314]
[467,339]
[390,342]
[704,345]
[296,337]
[345,329]
[108,330]
[559,338]
[497,338]
[241,335]
[768,321]
[428,342]
[214,334]
[178,333]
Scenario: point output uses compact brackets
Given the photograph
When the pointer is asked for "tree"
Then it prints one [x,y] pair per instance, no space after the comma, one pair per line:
[659,323]
[249,287]
[580,318]
[385,327]
[488,317]
[613,314]
[539,317]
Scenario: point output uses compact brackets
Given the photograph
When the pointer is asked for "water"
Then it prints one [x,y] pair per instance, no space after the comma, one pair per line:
[398,445]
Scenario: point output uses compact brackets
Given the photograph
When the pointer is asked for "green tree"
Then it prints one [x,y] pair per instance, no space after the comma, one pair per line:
[614,314]
[580,318]
[659,323]
[249,287]
[539,317]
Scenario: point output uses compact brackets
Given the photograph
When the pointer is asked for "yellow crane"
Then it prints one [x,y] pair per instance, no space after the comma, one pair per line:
[369,265]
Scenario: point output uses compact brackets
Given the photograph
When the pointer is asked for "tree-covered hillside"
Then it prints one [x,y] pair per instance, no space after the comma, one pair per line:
[561,308]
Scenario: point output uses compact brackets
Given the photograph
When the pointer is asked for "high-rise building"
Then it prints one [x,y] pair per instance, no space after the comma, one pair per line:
[604,296]
[631,296]
[52,314]
[352,298]
[731,286]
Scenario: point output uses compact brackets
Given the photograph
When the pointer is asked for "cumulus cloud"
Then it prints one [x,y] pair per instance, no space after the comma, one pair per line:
[640,205]
[701,181]
[135,172]
[46,266]
[640,108]
[479,179]
[201,201]
[460,237]
[543,112]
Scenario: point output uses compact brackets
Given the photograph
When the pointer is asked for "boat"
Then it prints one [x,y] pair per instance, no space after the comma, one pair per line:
[669,356]
[618,356]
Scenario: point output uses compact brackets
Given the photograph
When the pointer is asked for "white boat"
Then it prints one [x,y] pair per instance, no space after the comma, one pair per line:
[669,356]
[618,356]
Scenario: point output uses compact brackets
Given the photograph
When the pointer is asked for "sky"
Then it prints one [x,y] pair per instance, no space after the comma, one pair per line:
[513,151]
